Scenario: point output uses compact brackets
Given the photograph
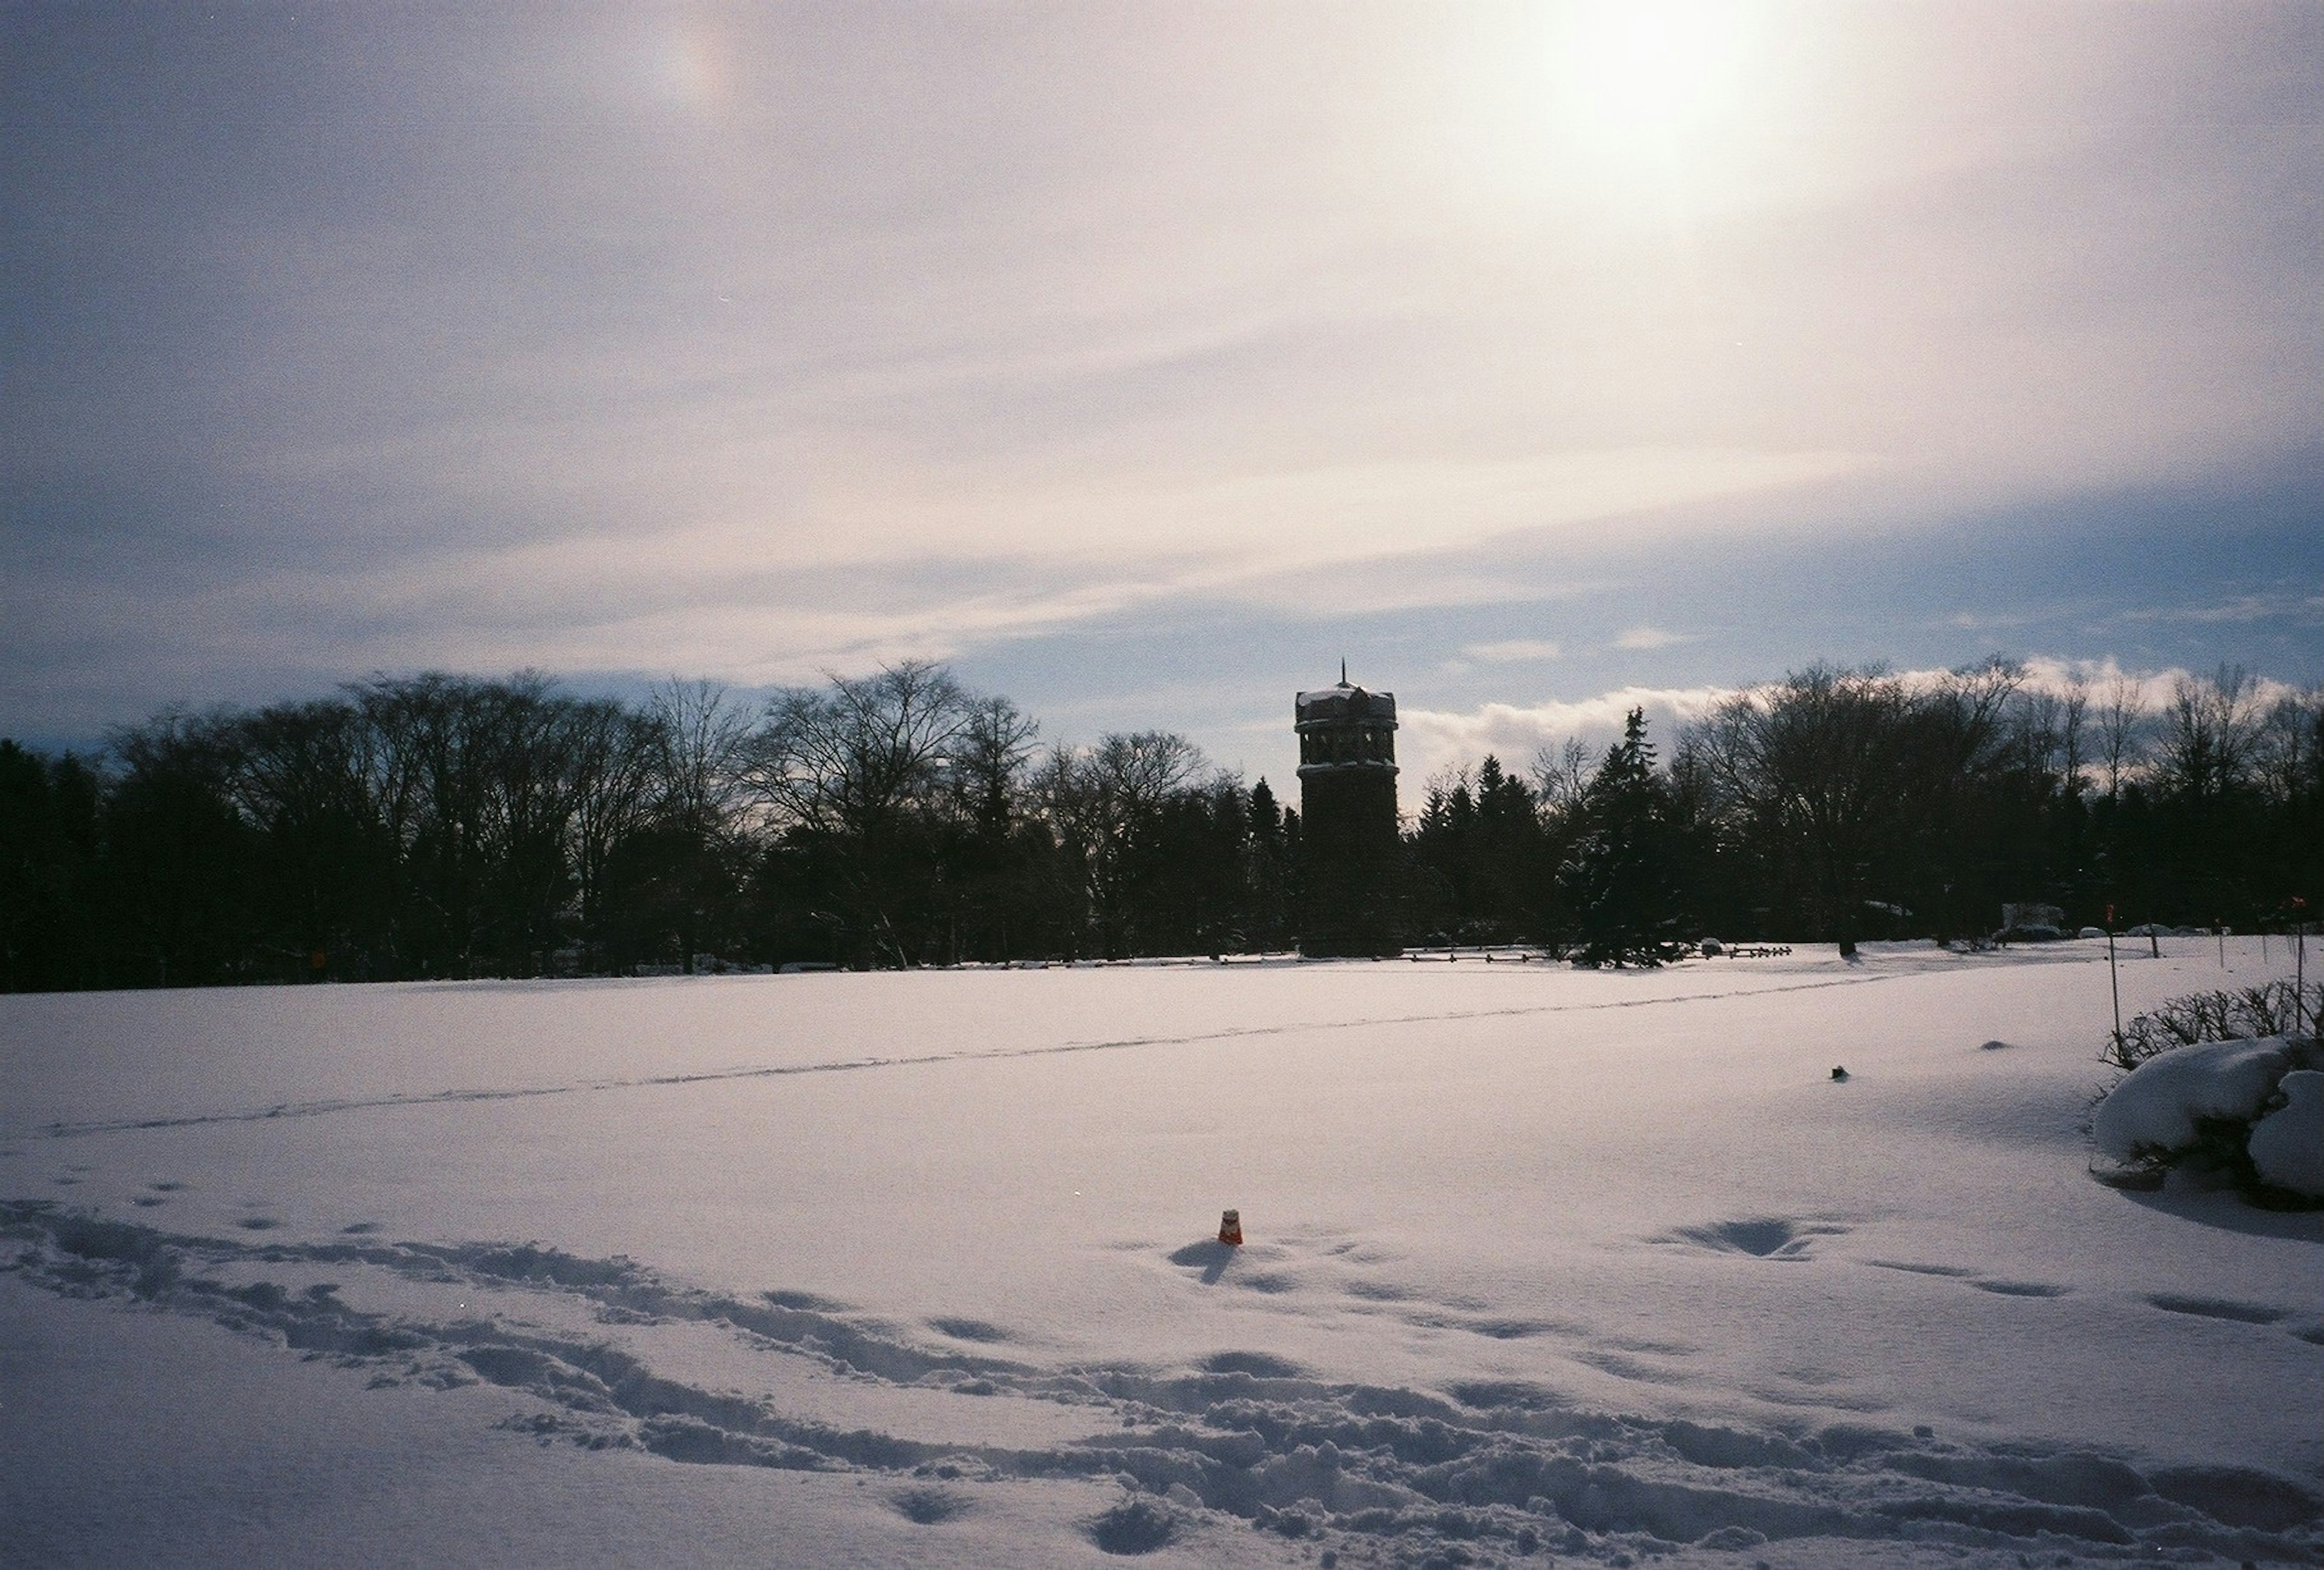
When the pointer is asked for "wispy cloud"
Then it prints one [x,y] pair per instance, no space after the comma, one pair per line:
[1645,638]
[1514,650]
[2242,608]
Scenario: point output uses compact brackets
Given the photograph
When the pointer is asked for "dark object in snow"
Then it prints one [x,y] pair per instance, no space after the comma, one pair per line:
[1839,1074]
[926,1506]
[1349,845]
[1135,1526]
[1230,1228]
[2028,920]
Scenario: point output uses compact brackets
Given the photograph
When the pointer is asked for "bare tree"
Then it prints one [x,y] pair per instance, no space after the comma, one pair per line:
[2208,730]
[2073,715]
[615,752]
[853,769]
[2122,720]
[993,755]
[702,748]
[1561,776]
[2288,752]
[1097,800]
[852,758]
[1811,763]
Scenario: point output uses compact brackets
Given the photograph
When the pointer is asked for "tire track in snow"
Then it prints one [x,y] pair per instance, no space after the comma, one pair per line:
[321,1108]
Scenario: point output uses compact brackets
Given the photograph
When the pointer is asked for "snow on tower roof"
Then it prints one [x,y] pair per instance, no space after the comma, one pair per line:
[1344,701]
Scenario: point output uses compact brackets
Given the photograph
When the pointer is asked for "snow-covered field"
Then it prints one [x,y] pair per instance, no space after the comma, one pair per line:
[916,1269]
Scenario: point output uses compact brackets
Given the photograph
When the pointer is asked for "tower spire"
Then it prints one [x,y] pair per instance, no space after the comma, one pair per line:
[1343,670]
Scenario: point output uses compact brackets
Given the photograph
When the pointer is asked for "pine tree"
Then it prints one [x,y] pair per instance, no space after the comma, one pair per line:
[1621,879]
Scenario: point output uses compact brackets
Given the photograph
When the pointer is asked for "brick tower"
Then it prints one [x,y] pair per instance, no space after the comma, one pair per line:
[1348,848]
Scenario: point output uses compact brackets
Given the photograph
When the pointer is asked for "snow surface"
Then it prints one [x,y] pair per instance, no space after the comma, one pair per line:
[917,1268]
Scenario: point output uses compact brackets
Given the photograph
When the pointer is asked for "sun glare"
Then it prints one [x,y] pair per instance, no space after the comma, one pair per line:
[686,66]
[1647,77]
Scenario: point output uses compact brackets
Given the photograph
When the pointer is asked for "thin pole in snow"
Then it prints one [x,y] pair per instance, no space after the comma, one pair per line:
[2300,977]
[2113,980]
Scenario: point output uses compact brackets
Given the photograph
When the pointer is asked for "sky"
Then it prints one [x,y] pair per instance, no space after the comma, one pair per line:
[1143,361]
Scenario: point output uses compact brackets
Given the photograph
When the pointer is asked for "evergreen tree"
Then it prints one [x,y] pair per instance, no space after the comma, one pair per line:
[1622,879]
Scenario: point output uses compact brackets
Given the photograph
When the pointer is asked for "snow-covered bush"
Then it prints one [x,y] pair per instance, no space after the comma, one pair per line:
[2287,1145]
[2252,1109]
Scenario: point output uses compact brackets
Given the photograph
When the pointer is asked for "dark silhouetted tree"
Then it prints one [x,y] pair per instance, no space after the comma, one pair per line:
[1622,879]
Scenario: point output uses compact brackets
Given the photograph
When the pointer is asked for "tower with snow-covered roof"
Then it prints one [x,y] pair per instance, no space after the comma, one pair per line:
[1349,849]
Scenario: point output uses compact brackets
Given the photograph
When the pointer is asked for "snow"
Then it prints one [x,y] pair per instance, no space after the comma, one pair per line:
[2156,1108]
[920,1269]
[2287,1145]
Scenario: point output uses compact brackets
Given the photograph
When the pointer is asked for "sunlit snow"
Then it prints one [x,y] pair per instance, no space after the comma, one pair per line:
[921,1268]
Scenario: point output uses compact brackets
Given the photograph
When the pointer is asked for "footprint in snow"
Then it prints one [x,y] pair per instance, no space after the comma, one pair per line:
[1762,1237]
[1919,1270]
[1508,1329]
[2020,1288]
[1633,1369]
[2216,1309]
[926,1506]
[975,1330]
[1258,1364]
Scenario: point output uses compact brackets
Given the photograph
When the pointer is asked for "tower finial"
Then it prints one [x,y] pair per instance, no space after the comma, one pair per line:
[1343,670]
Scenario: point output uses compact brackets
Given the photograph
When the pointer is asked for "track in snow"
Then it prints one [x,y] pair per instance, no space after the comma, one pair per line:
[323,1108]
[1483,1474]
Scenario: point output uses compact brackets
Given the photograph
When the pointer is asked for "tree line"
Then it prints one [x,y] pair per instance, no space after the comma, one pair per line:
[445,827]
[1838,805]
[449,827]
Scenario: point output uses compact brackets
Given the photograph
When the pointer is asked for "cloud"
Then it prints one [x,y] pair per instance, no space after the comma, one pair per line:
[2291,603]
[1514,650]
[744,340]
[1430,741]
[1642,638]
[2098,681]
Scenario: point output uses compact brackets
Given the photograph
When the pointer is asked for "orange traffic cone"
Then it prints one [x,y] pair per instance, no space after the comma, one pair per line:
[1230,1228]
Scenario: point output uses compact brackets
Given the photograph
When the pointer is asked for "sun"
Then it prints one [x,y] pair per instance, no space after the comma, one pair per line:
[1649,77]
